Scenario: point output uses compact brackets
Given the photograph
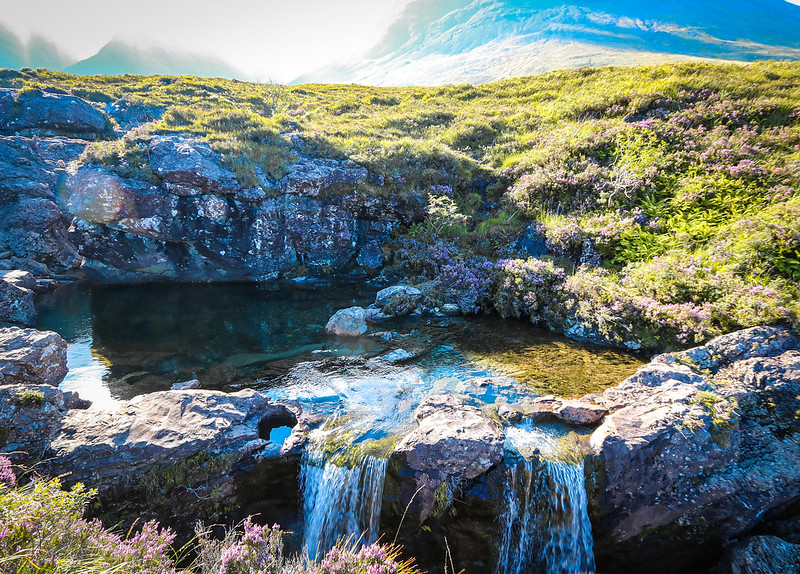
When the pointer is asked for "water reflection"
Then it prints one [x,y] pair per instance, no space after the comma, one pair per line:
[125,341]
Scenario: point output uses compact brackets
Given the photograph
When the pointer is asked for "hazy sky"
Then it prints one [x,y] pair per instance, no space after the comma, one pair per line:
[265,38]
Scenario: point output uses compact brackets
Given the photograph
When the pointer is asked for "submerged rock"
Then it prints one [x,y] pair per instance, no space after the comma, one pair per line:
[698,448]
[452,441]
[349,322]
[28,356]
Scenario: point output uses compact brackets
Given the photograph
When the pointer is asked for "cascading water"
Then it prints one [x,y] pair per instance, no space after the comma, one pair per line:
[545,527]
[340,502]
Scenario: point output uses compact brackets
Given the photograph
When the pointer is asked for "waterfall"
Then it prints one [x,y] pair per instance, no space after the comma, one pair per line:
[340,501]
[545,526]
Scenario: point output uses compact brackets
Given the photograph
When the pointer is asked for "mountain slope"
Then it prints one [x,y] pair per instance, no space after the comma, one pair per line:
[436,42]
[118,57]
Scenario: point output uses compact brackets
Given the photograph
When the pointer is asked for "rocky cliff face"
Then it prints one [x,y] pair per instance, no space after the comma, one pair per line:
[191,219]
[700,447]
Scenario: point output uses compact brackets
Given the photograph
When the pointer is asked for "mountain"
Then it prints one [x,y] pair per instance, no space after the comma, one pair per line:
[37,52]
[118,57]
[443,41]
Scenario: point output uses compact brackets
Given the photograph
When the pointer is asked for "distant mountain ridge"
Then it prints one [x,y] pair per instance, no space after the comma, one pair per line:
[449,41]
[442,41]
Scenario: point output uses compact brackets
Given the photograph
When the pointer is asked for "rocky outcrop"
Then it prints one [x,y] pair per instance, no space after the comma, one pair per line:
[190,166]
[107,448]
[29,418]
[313,176]
[28,356]
[16,302]
[186,216]
[452,442]
[349,322]
[698,448]
[37,113]
[760,555]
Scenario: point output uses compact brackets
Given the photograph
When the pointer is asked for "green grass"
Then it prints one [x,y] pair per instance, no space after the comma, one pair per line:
[691,162]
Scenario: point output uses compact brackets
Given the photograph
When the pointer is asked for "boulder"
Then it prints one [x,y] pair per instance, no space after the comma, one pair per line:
[28,356]
[579,412]
[186,385]
[191,165]
[698,447]
[30,416]
[16,303]
[312,176]
[129,115]
[760,555]
[349,322]
[452,442]
[19,278]
[47,113]
[107,448]
[398,299]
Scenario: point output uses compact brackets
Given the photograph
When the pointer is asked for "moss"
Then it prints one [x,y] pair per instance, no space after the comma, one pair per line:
[189,474]
[31,399]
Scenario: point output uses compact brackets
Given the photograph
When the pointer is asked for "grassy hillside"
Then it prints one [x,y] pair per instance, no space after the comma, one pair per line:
[684,178]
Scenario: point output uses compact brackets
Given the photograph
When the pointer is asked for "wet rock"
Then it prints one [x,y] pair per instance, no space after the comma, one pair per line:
[349,322]
[577,412]
[371,255]
[163,428]
[30,415]
[51,114]
[760,555]
[397,356]
[313,175]
[453,441]
[16,303]
[699,446]
[19,278]
[72,400]
[28,356]
[186,385]
[398,299]
[190,163]
[511,413]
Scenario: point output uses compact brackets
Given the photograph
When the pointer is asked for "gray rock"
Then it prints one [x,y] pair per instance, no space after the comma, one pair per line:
[349,322]
[397,356]
[129,116]
[698,447]
[312,176]
[398,299]
[16,303]
[760,555]
[28,356]
[453,441]
[579,412]
[190,163]
[186,385]
[30,416]
[19,278]
[371,255]
[107,448]
[45,113]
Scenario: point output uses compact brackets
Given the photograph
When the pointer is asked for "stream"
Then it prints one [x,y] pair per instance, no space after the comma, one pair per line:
[125,341]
